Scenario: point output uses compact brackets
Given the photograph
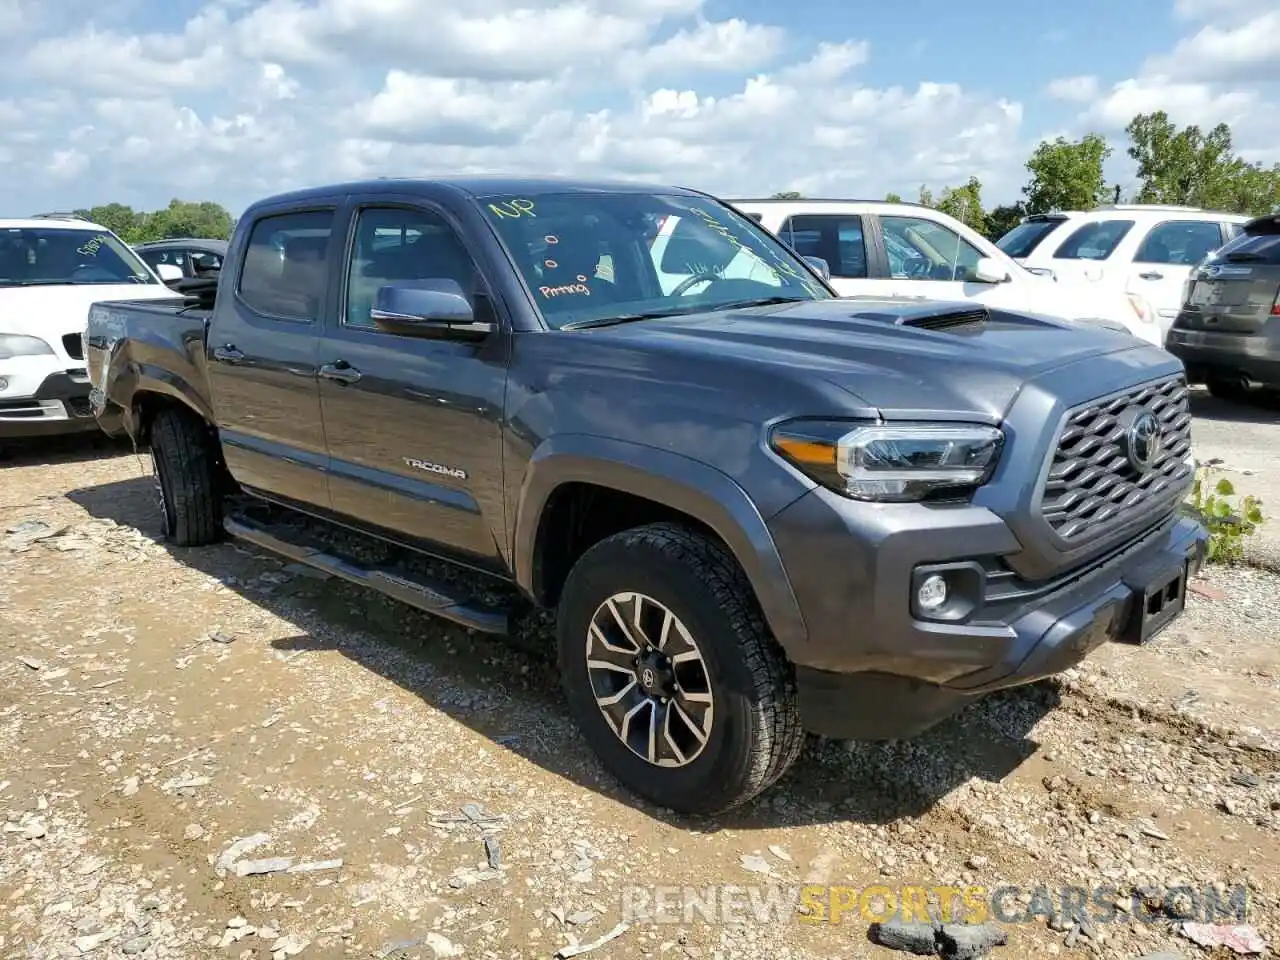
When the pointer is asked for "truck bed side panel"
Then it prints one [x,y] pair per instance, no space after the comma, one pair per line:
[145,347]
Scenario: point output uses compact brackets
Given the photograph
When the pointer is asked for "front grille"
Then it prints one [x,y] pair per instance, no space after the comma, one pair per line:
[1091,482]
[72,344]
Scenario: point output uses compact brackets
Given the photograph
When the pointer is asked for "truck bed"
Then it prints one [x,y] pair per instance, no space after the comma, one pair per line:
[155,345]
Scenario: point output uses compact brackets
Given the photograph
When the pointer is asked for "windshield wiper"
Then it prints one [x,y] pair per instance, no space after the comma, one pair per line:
[590,323]
[758,302]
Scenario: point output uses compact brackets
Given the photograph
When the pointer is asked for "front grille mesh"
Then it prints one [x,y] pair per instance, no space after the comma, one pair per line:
[1091,485]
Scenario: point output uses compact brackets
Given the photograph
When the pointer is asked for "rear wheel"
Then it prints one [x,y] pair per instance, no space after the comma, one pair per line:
[1232,390]
[671,673]
[187,471]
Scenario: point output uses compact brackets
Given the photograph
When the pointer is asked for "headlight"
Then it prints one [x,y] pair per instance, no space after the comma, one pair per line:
[14,345]
[891,462]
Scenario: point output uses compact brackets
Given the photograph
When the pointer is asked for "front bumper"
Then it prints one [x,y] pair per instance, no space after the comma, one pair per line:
[871,670]
[58,405]
[1217,354]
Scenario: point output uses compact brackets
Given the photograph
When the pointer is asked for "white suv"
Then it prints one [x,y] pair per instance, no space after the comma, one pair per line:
[51,269]
[879,249]
[1144,249]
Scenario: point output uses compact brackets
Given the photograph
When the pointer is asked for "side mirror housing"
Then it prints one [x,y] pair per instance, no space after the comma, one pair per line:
[820,266]
[987,270]
[433,309]
[168,272]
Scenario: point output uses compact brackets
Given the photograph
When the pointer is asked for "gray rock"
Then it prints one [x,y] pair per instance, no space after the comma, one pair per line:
[918,938]
[964,941]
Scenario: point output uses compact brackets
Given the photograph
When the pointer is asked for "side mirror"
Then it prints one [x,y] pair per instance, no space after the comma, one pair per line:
[820,266]
[168,272]
[988,270]
[433,309]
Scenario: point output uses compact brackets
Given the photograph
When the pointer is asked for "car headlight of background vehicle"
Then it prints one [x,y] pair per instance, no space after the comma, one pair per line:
[891,462]
[16,345]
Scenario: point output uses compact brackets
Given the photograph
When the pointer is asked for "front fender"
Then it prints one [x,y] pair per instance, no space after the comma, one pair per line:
[702,492]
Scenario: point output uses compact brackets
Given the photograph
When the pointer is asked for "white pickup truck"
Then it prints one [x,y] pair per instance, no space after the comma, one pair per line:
[51,270]
[883,249]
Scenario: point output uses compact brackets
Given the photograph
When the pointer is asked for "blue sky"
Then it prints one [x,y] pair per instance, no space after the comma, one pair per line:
[144,100]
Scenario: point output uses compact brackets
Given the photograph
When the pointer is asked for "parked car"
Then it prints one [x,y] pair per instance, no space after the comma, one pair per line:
[756,508]
[1146,250]
[1228,331]
[882,249]
[52,267]
[195,257]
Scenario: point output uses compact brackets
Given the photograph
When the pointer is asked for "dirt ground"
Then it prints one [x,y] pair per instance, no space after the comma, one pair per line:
[211,753]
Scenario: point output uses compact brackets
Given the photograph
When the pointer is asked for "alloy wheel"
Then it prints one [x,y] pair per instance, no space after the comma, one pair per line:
[650,680]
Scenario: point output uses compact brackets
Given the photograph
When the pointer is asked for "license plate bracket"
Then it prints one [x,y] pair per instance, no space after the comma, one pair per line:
[1157,605]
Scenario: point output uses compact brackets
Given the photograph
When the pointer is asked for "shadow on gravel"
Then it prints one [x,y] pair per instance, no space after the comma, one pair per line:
[507,692]
[73,448]
[1260,407]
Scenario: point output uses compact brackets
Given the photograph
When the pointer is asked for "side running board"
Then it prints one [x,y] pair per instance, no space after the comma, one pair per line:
[425,594]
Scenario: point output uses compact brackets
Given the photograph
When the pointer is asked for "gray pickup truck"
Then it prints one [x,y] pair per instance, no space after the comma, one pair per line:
[757,509]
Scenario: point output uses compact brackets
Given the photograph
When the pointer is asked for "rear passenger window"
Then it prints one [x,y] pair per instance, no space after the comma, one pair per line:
[1094,241]
[285,269]
[1180,242]
[836,238]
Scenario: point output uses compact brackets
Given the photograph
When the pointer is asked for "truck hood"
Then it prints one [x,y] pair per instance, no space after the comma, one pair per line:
[878,351]
[53,311]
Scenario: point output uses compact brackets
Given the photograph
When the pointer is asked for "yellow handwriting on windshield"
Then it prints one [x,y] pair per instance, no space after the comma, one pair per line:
[91,247]
[777,263]
[513,209]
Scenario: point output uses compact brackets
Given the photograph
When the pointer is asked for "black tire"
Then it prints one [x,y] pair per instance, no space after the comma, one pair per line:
[187,471]
[755,734]
[1230,390]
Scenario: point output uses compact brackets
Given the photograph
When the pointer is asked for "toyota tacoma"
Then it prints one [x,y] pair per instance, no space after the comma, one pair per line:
[755,508]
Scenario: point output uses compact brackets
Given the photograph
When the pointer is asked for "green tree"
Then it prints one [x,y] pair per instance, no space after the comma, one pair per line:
[965,204]
[120,219]
[186,219]
[1189,166]
[1067,175]
[1003,219]
[788,195]
[893,198]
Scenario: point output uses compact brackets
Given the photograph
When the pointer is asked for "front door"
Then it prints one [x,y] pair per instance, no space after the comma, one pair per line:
[413,425]
[262,358]
[841,240]
[931,261]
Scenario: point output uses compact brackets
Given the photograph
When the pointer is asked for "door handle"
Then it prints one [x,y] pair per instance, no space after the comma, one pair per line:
[340,372]
[227,353]
[1151,275]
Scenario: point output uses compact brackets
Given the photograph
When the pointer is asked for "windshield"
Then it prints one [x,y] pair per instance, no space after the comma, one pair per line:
[595,256]
[1025,237]
[49,256]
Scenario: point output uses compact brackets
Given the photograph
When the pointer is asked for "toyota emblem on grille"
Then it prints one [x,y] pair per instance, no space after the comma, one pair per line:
[1142,441]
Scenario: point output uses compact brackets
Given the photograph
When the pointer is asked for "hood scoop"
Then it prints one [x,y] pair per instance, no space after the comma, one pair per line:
[945,319]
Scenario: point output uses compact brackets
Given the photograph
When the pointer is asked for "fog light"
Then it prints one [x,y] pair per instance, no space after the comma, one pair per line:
[4,383]
[932,594]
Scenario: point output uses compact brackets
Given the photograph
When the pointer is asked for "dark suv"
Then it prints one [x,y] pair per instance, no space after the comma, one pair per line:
[1228,330]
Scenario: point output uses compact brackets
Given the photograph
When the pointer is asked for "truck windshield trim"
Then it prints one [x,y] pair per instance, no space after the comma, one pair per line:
[587,258]
[44,256]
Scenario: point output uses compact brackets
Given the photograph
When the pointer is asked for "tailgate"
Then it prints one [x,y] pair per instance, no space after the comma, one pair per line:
[1231,298]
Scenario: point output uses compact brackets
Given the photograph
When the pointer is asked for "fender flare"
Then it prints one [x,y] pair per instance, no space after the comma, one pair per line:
[149,379]
[702,492]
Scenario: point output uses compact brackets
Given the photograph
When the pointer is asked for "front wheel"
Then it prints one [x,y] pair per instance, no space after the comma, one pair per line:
[671,673]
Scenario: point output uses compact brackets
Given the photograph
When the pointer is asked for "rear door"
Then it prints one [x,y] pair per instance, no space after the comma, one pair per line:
[1164,258]
[846,243]
[262,347]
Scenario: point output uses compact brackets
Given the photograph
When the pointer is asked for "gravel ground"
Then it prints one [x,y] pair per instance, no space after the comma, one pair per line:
[211,753]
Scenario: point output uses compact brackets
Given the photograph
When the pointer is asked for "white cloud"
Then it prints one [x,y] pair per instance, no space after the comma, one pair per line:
[1074,89]
[248,97]
[1226,70]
